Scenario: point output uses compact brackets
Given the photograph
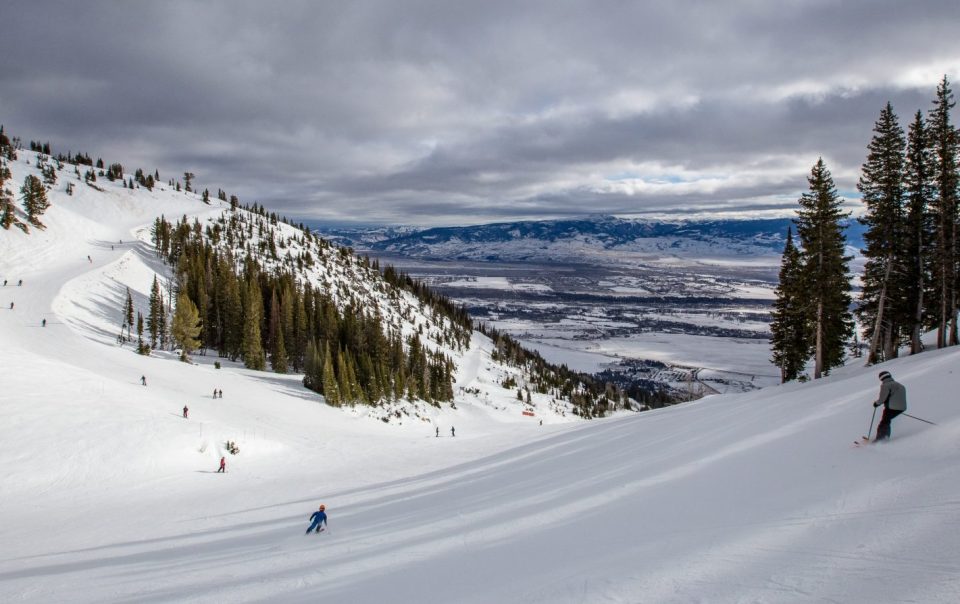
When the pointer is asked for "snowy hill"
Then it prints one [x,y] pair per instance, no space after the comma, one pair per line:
[110,495]
[599,239]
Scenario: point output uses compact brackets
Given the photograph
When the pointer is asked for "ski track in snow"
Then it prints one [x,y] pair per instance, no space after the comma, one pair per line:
[107,494]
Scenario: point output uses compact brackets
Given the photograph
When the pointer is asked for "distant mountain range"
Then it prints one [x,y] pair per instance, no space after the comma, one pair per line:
[573,238]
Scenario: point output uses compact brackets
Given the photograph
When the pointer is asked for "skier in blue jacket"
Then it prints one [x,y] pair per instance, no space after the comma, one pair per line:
[319,517]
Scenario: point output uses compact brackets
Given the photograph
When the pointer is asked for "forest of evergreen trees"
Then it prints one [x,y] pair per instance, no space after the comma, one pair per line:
[257,304]
[911,276]
[589,396]
[243,288]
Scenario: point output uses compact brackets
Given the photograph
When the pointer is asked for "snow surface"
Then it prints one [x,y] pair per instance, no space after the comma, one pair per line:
[108,495]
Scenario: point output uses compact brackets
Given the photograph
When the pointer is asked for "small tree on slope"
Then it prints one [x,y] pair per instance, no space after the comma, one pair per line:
[34,197]
[186,325]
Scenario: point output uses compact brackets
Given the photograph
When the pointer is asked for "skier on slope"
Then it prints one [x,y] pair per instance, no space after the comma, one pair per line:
[223,465]
[186,411]
[893,397]
[319,517]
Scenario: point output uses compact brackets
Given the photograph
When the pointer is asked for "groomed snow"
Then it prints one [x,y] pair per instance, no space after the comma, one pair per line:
[108,495]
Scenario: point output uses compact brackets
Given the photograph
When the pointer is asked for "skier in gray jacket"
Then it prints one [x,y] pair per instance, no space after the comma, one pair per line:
[893,397]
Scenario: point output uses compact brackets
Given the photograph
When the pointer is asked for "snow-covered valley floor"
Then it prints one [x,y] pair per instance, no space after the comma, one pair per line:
[107,494]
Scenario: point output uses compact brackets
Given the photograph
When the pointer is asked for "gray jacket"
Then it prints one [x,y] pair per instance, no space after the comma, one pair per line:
[893,395]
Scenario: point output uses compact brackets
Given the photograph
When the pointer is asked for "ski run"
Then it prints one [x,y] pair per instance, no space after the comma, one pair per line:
[108,494]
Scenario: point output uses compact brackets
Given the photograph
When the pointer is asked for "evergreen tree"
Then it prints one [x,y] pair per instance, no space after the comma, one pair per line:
[128,312]
[344,385]
[920,234]
[300,331]
[34,197]
[312,368]
[790,325]
[155,314]
[7,214]
[142,347]
[825,269]
[943,141]
[232,313]
[331,389]
[278,356]
[882,312]
[186,325]
[253,356]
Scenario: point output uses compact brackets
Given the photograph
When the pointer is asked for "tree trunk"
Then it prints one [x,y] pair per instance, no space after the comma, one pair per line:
[953,275]
[878,322]
[916,345]
[818,358]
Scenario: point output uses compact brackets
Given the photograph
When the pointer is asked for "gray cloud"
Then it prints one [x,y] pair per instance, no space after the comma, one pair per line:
[458,112]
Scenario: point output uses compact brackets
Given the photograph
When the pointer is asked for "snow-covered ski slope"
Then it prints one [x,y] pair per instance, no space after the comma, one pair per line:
[108,495]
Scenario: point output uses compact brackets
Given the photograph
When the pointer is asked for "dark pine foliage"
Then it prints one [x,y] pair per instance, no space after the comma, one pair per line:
[257,304]
[790,327]
[882,311]
[826,278]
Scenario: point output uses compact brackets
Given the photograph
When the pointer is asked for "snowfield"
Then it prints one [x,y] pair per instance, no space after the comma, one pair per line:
[108,494]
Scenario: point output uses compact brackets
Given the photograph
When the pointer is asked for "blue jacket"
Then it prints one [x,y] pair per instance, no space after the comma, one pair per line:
[319,517]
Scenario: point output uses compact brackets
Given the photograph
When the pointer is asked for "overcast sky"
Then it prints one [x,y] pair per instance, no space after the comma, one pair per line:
[464,112]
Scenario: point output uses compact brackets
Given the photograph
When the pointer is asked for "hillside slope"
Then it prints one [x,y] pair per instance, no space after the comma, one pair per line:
[109,494]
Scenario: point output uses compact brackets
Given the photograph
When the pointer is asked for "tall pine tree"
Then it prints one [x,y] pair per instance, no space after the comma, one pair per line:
[790,329]
[825,269]
[920,234]
[881,309]
[943,142]
[253,356]
[155,319]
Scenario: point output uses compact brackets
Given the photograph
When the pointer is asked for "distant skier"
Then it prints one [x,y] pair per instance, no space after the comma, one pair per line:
[11,306]
[893,397]
[20,282]
[223,465]
[143,380]
[214,393]
[43,323]
[453,431]
[219,393]
[438,432]
[317,519]
[89,259]
[186,412]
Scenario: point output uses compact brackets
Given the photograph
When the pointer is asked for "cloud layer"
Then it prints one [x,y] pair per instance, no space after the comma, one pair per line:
[464,112]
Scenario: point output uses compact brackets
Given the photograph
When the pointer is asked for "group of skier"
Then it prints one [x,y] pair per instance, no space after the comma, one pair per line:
[19,283]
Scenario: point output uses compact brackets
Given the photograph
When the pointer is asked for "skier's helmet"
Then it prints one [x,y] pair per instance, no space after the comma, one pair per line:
[884,375]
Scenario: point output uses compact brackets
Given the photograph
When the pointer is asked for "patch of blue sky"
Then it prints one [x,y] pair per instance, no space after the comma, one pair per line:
[659,179]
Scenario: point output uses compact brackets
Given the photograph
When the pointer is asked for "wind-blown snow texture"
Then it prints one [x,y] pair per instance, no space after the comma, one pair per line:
[109,495]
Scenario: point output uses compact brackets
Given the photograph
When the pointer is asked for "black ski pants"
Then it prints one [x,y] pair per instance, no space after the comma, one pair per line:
[883,430]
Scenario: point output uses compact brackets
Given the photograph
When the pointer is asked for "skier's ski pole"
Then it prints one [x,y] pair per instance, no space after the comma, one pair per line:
[919,418]
[870,430]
